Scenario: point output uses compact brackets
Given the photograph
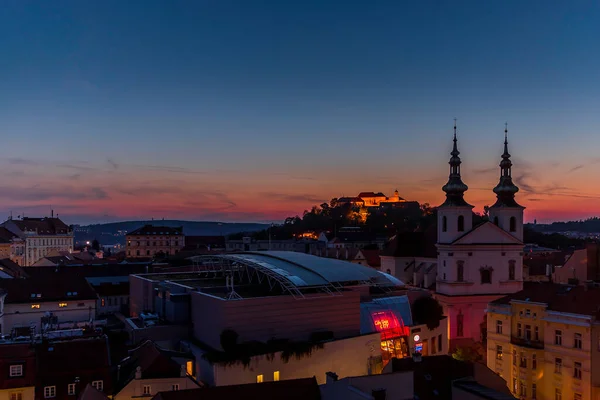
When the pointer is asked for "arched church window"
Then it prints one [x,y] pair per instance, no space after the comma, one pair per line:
[511,270]
[459,324]
[444,224]
[460,271]
[513,224]
[461,223]
[486,275]
[496,221]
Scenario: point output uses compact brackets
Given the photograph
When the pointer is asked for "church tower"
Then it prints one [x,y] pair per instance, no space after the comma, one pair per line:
[455,216]
[506,213]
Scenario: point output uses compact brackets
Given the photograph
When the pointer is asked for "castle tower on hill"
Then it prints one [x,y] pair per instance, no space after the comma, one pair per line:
[477,264]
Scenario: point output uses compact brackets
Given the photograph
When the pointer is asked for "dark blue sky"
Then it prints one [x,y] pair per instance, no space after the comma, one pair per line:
[318,88]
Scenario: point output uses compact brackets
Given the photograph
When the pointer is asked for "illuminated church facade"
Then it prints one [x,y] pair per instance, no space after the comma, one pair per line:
[477,264]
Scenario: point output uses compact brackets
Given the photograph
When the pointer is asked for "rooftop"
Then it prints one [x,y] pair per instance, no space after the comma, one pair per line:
[40,289]
[156,230]
[293,389]
[558,297]
[45,226]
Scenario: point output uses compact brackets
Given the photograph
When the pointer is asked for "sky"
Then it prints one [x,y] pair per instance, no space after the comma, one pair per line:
[257,110]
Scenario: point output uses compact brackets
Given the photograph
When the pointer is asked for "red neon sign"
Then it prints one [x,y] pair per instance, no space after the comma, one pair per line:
[387,323]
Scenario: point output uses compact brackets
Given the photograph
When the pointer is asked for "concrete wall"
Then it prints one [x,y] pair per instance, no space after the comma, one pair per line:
[347,357]
[141,295]
[17,315]
[283,317]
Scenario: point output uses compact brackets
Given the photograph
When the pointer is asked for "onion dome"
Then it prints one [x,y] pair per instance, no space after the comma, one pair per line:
[506,189]
[455,188]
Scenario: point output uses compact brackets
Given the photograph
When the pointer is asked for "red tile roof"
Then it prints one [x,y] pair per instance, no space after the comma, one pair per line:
[294,389]
[46,226]
[12,354]
[91,393]
[60,362]
[372,257]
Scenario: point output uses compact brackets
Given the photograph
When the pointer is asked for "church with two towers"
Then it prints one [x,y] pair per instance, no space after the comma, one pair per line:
[477,264]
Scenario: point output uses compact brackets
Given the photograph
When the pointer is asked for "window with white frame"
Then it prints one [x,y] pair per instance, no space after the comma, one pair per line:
[71,389]
[49,392]
[557,394]
[98,385]
[147,390]
[16,370]
[175,387]
[499,327]
[558,365]
[558,337]
[577,370]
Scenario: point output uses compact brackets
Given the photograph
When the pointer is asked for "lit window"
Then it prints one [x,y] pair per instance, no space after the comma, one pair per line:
[16,370]
[102,302]
[259,378]
[147,389]
[62,305]
[498,352]
[276,376]
[71,389]
[98,385]
[175,387]
[189,367]
[16,396]
[35,306]
[49,392]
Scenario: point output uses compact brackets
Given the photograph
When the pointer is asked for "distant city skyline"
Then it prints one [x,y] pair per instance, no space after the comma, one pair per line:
[237,111]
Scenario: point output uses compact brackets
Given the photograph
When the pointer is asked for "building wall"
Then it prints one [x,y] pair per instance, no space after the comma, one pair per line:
[142,246]
[111,304]
[430,338]
[141,295]
[575,267]
[27,393]
[135,388]
[474,258]
[543,374]
[347,357]
[5,250]
[22,314]
[265,318]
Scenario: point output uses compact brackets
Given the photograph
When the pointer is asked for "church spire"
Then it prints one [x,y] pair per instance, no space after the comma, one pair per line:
[506,189]
[455,188]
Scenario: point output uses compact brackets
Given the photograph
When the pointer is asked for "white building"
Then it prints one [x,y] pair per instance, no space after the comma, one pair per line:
[62,302]
[477,264]
[37,238]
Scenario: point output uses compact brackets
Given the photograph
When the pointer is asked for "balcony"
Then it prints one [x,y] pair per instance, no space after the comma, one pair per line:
[533,344]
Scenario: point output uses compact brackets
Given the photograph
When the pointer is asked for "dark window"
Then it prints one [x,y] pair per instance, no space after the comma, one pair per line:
[513,224]
[444,224]
[486,276]
[460,271]
[496,221]
[459,324]
[511,270]
[440,342]
[137,253]
[461,223]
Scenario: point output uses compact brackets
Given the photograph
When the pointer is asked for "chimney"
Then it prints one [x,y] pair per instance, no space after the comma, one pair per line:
[330,377]
[378,394]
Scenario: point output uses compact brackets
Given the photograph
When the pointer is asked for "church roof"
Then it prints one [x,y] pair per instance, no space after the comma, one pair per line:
[505,189]
[455,187]
[487,233]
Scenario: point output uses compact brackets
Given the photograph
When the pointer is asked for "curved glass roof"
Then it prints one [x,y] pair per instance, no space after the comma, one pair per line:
[308,270]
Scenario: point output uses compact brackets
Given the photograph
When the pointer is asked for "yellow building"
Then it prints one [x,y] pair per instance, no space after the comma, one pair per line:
[150,240]
[545,342]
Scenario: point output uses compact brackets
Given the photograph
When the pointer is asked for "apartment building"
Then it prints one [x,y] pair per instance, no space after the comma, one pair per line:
[545,341]
[150,240]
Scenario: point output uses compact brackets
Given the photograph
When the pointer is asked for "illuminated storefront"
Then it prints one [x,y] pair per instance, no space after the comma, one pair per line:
[394,335]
